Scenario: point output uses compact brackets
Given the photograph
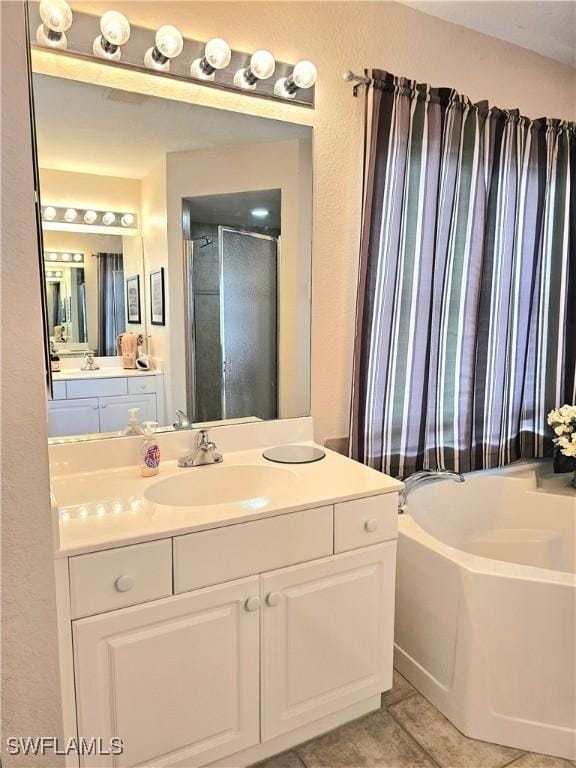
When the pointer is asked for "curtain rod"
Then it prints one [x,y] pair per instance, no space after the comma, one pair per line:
[358,80]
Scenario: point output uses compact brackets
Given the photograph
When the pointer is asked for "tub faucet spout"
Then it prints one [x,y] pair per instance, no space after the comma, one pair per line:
[423,475]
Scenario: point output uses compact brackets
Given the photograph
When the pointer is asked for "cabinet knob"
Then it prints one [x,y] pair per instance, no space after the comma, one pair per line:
[371,525]
[124,583]
[253,603]
[273,598]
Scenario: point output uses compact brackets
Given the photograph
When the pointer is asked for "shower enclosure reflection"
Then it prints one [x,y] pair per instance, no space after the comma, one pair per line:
[232,271]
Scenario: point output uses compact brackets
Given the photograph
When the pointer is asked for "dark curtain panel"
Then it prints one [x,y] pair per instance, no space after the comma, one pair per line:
[467,290]
[53,300]
[111,320]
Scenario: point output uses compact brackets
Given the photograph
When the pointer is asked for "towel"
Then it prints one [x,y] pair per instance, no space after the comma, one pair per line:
[129,349]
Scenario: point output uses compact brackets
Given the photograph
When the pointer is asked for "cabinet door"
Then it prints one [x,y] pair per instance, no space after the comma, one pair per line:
[327,636]
[114,411]
[73,417]
[177,680]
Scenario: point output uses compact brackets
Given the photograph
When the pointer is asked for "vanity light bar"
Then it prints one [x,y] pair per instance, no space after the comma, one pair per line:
[71,257]
[52,214]
[166,52]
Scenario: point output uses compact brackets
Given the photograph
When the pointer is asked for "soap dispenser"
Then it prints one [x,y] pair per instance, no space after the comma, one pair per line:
[150,451]
[133,427]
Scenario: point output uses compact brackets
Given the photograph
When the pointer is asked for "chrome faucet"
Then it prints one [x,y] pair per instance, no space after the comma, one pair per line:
[204,453]
[182,421]
[89,364]
[419,477]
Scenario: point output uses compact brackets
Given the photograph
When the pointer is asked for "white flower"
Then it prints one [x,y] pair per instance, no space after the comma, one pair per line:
[563,422]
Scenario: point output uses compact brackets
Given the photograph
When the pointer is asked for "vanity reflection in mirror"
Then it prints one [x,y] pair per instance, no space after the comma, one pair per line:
[177,253]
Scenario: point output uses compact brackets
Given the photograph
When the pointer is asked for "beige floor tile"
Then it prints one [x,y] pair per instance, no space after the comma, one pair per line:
[444,742]
[285,760]
[401,688]
[533,760]
[374,741]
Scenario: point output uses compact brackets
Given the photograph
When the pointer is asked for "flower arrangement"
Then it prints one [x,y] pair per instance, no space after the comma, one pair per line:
[563,422]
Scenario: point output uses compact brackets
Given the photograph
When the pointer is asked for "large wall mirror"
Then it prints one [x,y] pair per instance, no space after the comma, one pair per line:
[177,258]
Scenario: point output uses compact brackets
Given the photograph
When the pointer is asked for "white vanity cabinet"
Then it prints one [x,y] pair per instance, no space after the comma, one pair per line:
[100,404]
[73,417]
[177,679]
[242,668]
[327,635]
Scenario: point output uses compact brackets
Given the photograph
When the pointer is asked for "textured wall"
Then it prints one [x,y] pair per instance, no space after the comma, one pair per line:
[30,679]
[338,36]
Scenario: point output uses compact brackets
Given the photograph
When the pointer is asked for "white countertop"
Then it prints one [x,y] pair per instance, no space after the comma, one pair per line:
[105,509]
[102,373]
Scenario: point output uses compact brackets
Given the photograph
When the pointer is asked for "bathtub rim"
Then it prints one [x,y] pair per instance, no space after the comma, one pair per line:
[408,526]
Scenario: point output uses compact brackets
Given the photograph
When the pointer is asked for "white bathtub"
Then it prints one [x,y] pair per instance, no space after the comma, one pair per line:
[486,605]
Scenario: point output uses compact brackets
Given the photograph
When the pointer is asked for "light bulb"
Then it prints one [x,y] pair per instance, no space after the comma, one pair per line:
[56,15]
[49,273]
[304,74]
[168,44]
[56,19]
[53,256]
[66,256]
[115,30]
[78,257]
[262,64]
[260,213]
[127,220]
[217,53]
[109,218]
[58,274]
[169,41]
[70,215]
[115,27]
[90,217]
[49,213]
[51,39]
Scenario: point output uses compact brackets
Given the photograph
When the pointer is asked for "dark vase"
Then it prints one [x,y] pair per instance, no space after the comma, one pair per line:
[564,463]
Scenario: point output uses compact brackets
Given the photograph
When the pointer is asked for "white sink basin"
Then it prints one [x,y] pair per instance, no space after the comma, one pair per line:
[252,486]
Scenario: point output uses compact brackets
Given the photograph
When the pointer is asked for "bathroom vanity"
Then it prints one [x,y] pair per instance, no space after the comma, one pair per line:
[85,402]
[219,611]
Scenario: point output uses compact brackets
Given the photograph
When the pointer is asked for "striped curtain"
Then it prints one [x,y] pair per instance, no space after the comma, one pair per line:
[466,319]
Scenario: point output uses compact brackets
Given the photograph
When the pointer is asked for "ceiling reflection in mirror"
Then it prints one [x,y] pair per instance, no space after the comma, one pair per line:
[177,258]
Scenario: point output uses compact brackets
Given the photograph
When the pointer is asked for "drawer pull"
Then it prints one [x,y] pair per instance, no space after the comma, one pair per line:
[371,525]
[273,598]
[253,603]
[124,583]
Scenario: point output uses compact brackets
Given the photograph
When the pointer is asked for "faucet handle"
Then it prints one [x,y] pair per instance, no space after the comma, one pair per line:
[204,439]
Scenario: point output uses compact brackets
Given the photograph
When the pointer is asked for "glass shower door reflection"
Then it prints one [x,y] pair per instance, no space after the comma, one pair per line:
[248,324]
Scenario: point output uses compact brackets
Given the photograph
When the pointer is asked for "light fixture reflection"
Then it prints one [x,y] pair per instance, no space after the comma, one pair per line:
[56,20]
[168,44]
[217,55]
[115,30]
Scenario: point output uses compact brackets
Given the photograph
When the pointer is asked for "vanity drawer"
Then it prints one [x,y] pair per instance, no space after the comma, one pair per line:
[139,385]
[362,522]
[235,551]
[104,581]
[96,387]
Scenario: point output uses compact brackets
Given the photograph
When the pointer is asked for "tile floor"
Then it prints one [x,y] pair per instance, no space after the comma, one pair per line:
[407,732]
